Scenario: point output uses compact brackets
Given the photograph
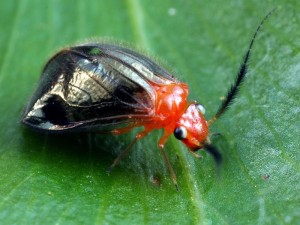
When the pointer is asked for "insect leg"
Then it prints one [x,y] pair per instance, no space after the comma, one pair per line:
[127,150]
[161,144]
[122,155]
[170,168]
[195,154]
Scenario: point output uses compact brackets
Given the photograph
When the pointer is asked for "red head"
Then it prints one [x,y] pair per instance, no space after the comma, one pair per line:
[192,128]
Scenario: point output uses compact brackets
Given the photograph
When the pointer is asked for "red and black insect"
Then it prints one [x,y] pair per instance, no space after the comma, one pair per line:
[108,87]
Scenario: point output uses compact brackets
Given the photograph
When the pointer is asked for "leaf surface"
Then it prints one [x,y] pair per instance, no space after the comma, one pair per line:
[48,179]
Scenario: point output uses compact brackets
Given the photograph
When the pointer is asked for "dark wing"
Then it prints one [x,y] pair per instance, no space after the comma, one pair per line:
[92,87]
[147,68]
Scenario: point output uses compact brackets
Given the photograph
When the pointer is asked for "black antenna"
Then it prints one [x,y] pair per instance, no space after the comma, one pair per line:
[215,154]
[232,92]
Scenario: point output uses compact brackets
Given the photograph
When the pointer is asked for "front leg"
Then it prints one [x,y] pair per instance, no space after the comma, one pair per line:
[161,145]
[164,138]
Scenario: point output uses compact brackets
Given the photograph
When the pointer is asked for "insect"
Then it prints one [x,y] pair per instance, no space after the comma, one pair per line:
[107,87]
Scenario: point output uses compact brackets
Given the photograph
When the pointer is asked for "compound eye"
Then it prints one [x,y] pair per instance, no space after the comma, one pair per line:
[201,108]
[180,133]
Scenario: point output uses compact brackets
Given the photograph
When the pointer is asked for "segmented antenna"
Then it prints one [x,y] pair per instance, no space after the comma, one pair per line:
[232,92]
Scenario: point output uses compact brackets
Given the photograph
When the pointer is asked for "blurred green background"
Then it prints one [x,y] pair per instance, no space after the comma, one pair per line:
[62,180]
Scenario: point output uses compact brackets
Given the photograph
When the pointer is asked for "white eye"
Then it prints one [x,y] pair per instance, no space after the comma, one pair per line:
[201,108]
[180,133]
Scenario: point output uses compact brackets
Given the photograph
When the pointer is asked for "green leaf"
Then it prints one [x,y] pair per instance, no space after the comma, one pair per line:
[49,179]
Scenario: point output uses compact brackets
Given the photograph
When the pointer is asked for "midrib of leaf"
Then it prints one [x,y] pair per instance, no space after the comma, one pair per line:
[136,15]
[194,189]
[80,18]
[170,47]
[137,20]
